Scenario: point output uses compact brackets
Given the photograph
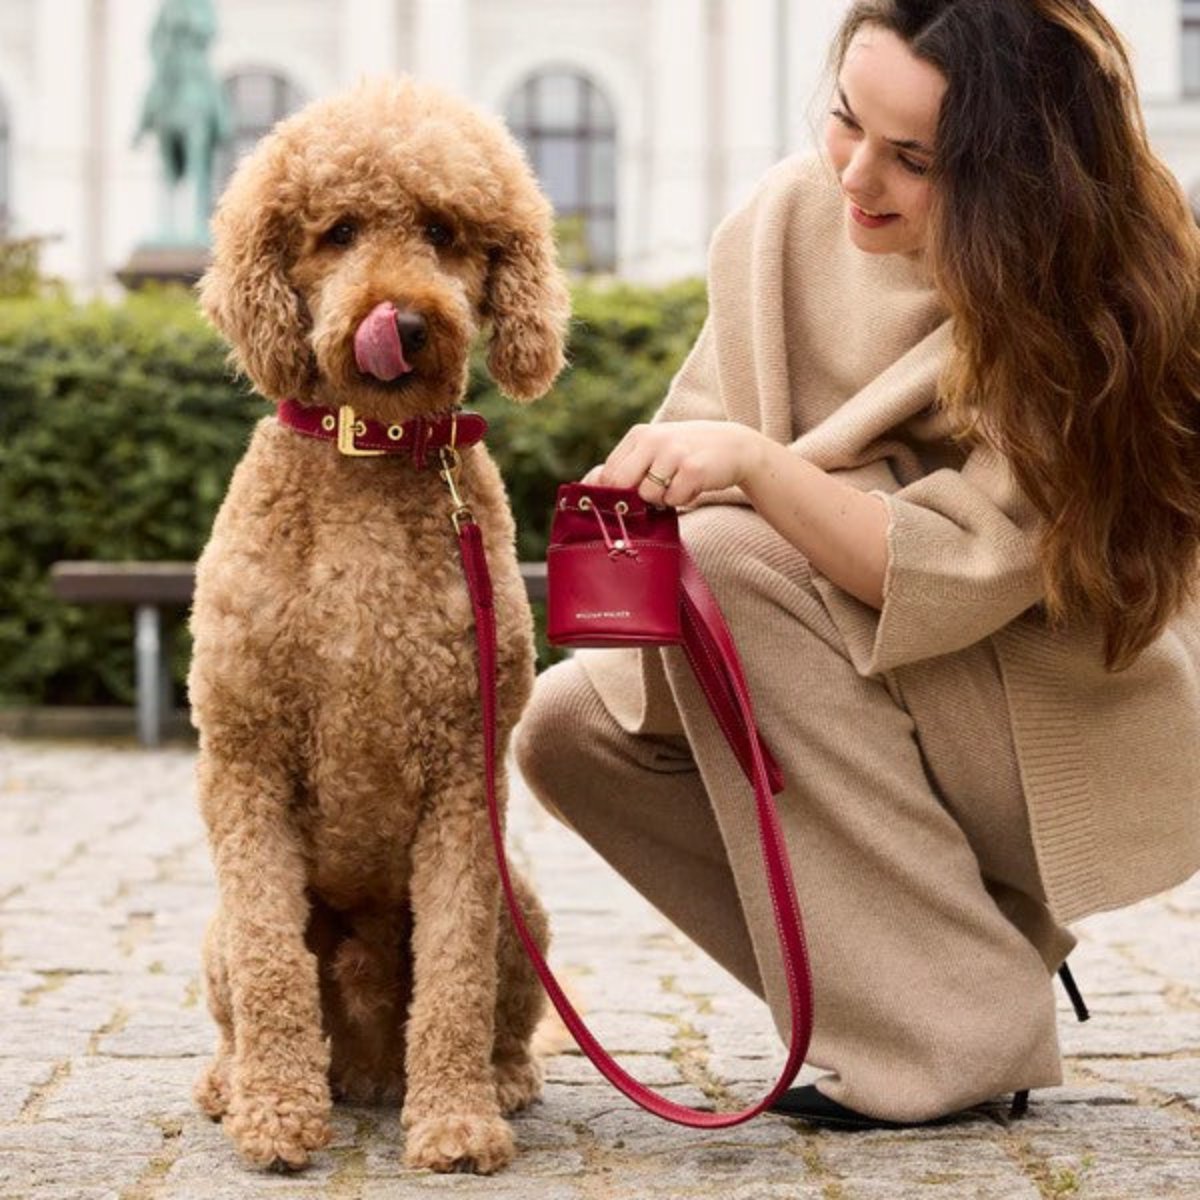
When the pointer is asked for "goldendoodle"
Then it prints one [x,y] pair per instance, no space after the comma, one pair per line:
[361,947]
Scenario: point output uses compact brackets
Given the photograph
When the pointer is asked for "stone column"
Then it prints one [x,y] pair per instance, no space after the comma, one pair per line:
[62,78]
[752,103]
[441,36]
[810,26]
[680,117]
[370,39]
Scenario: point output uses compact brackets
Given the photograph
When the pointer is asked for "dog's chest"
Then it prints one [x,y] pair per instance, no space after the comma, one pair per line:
[383,596]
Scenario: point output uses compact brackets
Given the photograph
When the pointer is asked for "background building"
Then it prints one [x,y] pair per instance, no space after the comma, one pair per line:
[647,119]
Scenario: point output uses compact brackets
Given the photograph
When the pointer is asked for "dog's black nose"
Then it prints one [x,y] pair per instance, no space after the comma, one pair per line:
[414,333]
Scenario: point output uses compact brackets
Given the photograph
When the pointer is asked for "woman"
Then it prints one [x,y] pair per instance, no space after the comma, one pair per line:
[937,444]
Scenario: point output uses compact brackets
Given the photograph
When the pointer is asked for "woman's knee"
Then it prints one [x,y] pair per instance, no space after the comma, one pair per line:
[764,586]
[737,551]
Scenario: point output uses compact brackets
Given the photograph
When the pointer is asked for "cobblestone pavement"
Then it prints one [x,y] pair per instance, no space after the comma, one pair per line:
[105,885]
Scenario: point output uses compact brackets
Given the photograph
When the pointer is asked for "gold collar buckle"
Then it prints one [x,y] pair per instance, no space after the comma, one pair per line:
[348,428]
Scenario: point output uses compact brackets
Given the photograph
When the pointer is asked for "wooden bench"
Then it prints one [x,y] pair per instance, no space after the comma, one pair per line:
[150,587]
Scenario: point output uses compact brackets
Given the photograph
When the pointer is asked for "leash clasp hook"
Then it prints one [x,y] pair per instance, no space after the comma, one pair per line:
[450,471]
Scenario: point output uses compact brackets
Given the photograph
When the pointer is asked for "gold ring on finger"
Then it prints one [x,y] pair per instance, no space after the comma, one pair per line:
[662,483]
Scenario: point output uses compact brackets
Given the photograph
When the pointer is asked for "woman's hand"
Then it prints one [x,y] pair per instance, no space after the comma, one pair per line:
[688,457]
[842,531]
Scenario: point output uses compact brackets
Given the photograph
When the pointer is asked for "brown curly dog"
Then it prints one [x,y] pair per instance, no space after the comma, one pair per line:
[360,947]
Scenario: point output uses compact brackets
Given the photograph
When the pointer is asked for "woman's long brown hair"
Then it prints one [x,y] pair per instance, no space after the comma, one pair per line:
[1070,262]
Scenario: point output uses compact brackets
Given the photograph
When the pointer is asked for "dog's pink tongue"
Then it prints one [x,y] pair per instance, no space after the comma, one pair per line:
[378,350]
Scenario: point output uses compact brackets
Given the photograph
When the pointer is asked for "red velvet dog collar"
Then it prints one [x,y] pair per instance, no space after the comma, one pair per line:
[360,437]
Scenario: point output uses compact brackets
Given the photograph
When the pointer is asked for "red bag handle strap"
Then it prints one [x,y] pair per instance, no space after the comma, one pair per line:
[713,657]
[708,644]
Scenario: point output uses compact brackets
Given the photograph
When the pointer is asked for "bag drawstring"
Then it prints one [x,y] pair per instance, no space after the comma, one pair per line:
[624,545]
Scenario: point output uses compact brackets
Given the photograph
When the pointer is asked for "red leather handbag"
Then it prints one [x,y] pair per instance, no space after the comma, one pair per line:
[612,570]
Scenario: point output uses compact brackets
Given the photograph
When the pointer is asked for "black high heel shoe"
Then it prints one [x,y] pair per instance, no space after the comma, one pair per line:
[808,1104]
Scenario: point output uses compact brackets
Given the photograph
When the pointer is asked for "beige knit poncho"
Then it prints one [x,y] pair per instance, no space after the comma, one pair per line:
[837,353]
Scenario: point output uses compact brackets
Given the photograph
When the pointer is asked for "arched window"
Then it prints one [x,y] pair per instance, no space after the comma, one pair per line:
[256,99]
[568,130]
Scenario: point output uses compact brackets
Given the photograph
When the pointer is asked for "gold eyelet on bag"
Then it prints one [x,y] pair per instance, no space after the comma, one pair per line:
[622,507]
[328,422]
[360,428]
[585,503]
[395,432]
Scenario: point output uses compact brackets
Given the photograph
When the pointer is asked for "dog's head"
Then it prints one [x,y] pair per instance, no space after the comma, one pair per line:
[363,243]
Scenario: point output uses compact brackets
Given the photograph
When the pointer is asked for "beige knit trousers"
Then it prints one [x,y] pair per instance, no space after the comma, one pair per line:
[931,947]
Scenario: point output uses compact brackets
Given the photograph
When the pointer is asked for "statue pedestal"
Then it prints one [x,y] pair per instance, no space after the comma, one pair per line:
[164,264]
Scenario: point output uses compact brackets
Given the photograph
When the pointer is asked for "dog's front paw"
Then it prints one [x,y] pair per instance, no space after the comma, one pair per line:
[462,1142]
[281,1129]
[211,1089]
[518,1083]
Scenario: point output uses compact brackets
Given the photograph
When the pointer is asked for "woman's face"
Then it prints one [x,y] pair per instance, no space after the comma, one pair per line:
[885,97]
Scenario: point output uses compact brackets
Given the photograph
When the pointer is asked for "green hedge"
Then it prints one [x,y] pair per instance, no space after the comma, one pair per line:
[120,426]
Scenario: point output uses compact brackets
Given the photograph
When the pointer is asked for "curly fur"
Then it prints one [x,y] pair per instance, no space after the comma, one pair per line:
[360,947]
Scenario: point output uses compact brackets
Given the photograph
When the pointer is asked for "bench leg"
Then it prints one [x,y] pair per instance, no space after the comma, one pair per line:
[148,652]
[166,699]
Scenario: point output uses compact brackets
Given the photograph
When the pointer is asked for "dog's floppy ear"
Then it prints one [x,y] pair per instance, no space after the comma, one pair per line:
[529,306]
[245,292]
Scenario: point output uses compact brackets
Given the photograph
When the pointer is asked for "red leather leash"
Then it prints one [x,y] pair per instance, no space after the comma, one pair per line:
[713,657]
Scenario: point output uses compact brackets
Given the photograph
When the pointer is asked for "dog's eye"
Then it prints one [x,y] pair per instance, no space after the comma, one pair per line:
[341,234]
[439,234]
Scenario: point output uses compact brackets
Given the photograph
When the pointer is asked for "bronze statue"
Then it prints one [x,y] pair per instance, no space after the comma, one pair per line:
[185,107]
